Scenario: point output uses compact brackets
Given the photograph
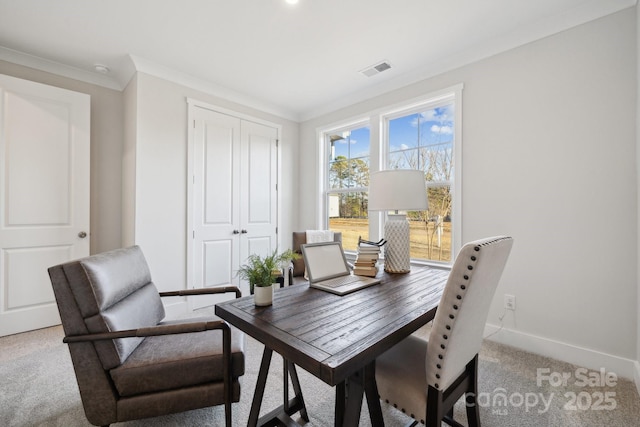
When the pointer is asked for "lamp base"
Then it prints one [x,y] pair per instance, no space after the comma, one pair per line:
[397,257]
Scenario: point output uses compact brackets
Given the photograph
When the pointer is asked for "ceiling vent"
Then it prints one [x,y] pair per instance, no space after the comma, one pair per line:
[375,69]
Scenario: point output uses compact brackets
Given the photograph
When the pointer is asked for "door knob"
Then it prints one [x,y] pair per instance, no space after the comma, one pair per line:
[244,231]
[82,234]
[236,232]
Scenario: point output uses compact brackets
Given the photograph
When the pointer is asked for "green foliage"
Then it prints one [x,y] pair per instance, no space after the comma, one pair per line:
[260,271]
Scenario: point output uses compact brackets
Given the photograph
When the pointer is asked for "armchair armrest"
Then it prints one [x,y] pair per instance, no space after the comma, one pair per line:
[203,291]
[180,328]
[175,329]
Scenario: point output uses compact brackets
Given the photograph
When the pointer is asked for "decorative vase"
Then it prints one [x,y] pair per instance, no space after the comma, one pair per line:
[397,258]
[263,295]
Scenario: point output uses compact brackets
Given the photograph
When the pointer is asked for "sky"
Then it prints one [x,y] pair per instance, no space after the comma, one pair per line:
[436,127]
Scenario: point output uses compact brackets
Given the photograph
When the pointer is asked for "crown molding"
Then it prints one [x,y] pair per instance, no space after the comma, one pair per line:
[149,67]
[134,64]
[58,68]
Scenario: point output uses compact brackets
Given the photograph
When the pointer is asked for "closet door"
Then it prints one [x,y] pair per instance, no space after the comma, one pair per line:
[44,196]
[258,194]
[215,201]
[233,200]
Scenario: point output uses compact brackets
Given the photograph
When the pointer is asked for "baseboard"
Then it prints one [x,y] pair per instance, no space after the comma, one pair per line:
[584,357]
[637,376]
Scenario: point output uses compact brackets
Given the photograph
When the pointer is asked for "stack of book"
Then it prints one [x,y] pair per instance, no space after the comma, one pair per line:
[366,260]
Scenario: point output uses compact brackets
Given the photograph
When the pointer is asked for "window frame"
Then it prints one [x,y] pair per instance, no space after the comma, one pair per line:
[424,104]
[325,158]
[378,122]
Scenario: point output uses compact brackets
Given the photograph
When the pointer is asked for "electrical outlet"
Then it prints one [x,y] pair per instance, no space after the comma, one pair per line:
[509,302]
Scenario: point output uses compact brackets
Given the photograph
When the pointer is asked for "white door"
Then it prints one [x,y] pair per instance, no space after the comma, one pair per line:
[44,196]
[216,201]
[233,201]
[259,180]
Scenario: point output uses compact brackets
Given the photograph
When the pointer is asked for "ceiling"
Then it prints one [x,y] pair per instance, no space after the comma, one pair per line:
[296,61]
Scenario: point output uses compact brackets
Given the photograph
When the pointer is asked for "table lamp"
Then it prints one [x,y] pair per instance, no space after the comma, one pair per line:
[397,190]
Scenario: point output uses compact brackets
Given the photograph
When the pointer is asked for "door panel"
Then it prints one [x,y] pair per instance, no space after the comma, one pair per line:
[44,196]
[216,188]
[37,179]
[217,258]
[219,144]
[258,212]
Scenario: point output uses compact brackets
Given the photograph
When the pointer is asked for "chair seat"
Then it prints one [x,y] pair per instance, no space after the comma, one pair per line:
[404,364]
[172,361]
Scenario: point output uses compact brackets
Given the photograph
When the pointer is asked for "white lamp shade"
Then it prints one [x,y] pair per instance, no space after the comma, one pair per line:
[398,189]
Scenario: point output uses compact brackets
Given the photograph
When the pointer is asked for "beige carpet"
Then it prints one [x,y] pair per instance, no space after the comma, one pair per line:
[38,389]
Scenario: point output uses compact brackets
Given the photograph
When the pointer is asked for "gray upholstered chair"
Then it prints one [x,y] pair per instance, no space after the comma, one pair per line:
[425,381]
[296,274]
[129,364]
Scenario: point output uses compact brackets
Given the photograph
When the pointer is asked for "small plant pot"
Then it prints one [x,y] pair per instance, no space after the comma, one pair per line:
[263,295]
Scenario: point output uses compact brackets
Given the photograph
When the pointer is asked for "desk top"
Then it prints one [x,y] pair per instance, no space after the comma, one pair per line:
[332,336]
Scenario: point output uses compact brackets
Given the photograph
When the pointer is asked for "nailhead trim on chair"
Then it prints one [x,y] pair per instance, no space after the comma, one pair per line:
[455,307]
[449,322]
[459,297]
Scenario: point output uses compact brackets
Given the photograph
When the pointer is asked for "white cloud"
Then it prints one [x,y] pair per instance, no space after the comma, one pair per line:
[439,114]
[430,116]
[442,129]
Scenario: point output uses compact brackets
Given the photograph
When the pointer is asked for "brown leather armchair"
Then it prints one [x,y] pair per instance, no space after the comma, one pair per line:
[129,364]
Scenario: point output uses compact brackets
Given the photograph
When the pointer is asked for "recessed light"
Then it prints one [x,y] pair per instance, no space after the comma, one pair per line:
[102,69]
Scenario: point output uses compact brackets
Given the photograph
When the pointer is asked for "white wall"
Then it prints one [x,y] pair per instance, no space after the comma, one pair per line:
[549,158]
[159,186]
[637,364]
[106,152]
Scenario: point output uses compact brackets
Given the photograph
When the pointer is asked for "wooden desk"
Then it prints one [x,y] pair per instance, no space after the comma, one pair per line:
[336,338]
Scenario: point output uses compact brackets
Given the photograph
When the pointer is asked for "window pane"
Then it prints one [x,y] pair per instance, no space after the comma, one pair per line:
[348,214]
[430,231]
[405,159]
[405,131]
[359,142]
[437,161]
[424,141]
[349,159]
[339,173]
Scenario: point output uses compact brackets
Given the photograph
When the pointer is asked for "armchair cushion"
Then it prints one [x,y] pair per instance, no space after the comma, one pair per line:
[168,362]
[120,283]
[120,317]
[113,277]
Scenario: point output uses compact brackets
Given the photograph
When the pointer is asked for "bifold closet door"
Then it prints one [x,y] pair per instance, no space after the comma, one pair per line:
[234,197]
[258,194]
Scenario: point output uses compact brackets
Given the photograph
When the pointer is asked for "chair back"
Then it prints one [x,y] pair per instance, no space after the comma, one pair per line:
[458,327]
[104,293]
[299,239]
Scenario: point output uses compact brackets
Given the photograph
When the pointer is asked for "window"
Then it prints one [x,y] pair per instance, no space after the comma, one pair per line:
[348,179]
[423,139]
[422,135]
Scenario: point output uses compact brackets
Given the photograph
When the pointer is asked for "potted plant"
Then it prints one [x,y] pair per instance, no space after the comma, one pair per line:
[261,271]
